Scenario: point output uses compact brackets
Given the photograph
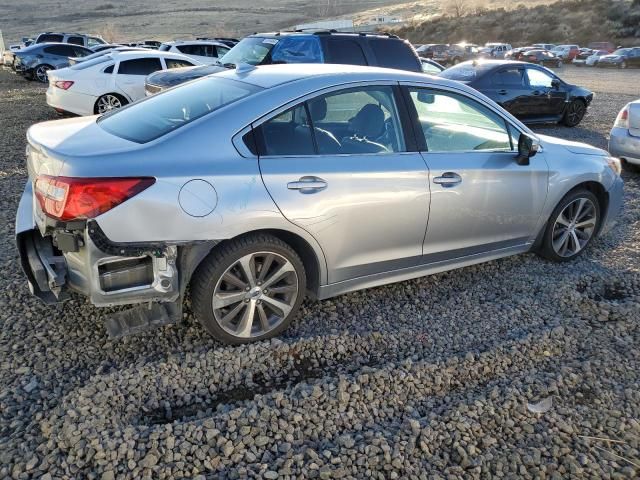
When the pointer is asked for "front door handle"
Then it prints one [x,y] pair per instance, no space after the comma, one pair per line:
[308,184]
[502,92]
[448,179]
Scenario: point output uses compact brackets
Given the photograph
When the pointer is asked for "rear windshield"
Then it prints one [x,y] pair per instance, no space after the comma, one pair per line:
[91,62]
[158,115]
[463,72]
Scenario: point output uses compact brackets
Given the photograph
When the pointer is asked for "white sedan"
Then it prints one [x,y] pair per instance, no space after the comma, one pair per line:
[109,81]
[205,51]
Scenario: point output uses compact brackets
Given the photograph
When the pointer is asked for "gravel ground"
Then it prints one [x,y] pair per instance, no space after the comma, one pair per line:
[514,368]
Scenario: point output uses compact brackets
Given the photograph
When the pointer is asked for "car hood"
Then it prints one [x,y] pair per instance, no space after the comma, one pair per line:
[573,147]
[176,76]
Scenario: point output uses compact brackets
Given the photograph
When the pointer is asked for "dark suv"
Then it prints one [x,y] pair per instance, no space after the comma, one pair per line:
[381,50]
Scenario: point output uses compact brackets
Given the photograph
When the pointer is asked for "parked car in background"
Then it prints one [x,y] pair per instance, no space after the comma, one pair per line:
[566,52]
[109,81]
[76,60]
[621,58]
[581,59]
[299,47]
[205,51]
[607,46]
[74,38]
[593,59]
[532,93]
[516,53]
[433,50]
[541,57]
[496,50]
[545,46]
[624,139]
[228,41]
[431,66]
[152,44]
[256,186]
[36,61]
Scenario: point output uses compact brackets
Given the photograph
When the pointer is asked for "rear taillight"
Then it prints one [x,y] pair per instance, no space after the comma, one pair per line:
[68,198]
[63,84]
[622,120]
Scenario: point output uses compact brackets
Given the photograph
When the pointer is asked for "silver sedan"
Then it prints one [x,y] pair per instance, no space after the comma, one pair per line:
[259,186]
[624,140]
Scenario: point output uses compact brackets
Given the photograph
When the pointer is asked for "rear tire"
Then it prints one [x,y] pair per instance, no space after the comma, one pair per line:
[108,102]
[249,289]
[571,227]
[575,113]
[40,73]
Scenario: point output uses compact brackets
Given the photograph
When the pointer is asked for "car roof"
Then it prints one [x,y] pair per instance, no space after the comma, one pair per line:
[199,42]
[268,76]
[120,54]
[320,32]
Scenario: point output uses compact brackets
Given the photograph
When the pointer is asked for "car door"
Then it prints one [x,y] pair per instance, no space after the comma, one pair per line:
[363,196]
[547,94]
[508,88]
[481,199]
[131,74]
[634,57]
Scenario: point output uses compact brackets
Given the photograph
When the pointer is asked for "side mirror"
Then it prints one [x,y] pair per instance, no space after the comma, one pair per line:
[425,97]
[555,83]
[527,148]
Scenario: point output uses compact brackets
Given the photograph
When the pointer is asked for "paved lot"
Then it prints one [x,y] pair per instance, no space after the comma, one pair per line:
[424,379]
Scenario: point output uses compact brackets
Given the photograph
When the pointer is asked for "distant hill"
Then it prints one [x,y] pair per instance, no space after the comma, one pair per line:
[568,21]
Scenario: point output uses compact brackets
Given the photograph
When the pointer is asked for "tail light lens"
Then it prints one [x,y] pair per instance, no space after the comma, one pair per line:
[68,198]
[622,120]
[63,84]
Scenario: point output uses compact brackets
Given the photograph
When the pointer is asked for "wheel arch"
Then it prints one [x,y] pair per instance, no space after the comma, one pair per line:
[590,185]
[312,259]
[117,94]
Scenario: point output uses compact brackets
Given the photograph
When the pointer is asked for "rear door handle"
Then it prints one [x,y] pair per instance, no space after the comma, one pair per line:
[448,179]
[502,92]
[308,184]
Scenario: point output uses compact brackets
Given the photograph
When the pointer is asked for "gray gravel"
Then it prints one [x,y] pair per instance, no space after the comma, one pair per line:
[428,378]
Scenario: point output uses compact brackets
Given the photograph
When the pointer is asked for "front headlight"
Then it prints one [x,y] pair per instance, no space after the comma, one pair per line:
[615,165]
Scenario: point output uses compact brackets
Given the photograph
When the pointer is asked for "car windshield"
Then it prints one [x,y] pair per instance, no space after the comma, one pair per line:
[91,62]
[621,51]
[251,50]
[160,114]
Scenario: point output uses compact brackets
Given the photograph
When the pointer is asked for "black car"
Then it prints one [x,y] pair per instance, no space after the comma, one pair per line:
[530,92]
[621,58]
[381,50]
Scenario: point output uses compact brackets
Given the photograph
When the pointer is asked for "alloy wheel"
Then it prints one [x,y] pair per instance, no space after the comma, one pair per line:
[623,64]
[255,294]
[574,227]
[41,73]
[108,102]
[575,112]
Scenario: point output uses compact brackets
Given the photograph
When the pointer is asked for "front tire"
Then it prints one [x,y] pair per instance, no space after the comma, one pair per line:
[571,227]
[249,289]
[575,113]
[623,65]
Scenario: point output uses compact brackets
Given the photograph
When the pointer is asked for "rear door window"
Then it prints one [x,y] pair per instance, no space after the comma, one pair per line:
[392,53]
[345,51]
[287,134]
[75,40]
[140,66]
[62,50]
[508,78]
